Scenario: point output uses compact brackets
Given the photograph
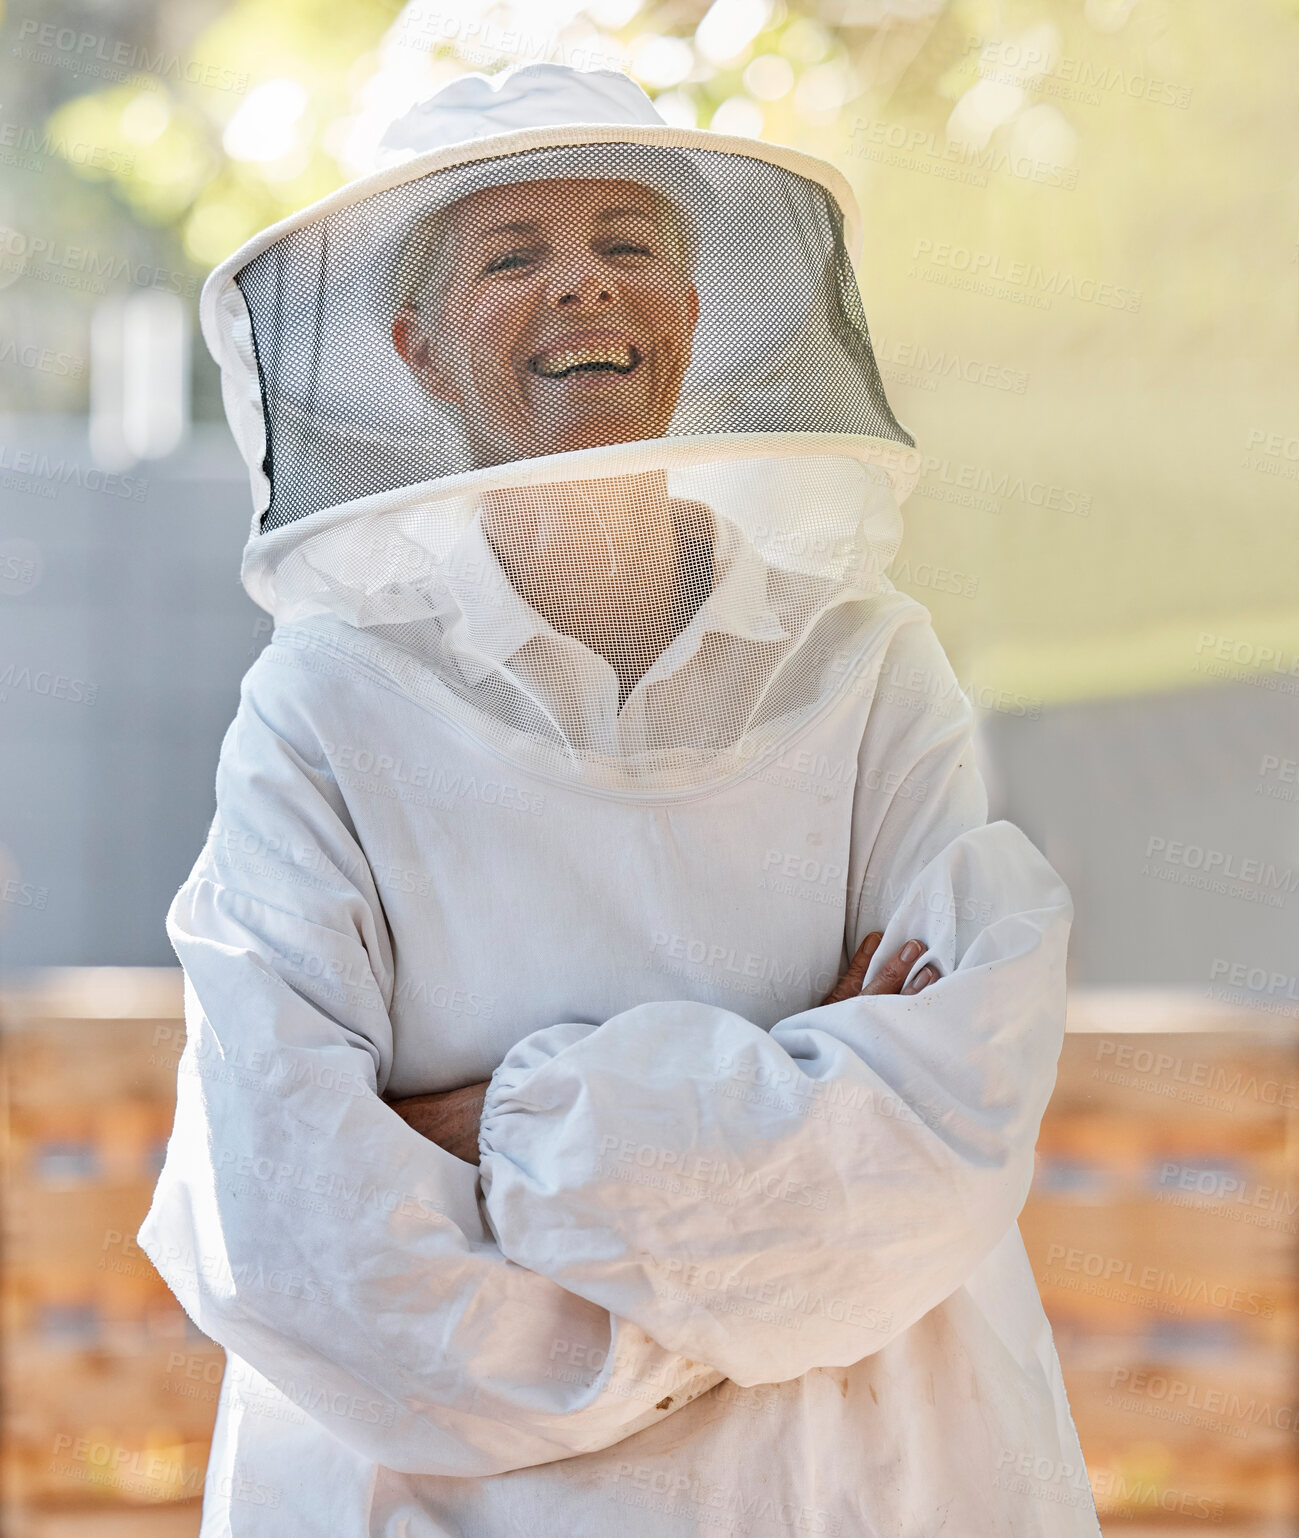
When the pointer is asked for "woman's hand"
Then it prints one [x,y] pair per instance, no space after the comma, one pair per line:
[449,1119]
[889,978]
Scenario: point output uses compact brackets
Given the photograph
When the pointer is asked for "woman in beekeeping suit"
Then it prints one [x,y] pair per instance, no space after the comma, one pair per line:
[616,1037]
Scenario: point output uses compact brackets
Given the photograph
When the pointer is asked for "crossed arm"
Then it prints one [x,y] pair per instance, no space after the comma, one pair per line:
[451,1118]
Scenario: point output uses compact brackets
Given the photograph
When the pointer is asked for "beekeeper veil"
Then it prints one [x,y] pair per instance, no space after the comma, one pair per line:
[568,422]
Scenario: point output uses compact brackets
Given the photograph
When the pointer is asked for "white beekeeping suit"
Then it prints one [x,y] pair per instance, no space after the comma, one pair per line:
[591,741]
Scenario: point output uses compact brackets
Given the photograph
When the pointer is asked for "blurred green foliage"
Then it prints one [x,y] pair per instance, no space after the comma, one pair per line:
[1144,149]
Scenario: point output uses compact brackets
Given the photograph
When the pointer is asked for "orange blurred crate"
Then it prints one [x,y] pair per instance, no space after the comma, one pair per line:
[110,1393]
[1162,1231]
[178,1519]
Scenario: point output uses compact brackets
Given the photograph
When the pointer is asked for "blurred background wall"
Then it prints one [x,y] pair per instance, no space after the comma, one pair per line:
[1080,273]
[1080,269]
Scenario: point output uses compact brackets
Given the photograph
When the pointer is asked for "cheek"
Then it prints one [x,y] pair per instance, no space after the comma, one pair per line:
[492,335]
[483,337]
[666,309]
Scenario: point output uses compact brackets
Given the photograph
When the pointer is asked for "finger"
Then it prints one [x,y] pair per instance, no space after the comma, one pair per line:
[893,973]
[860,963]
[926,975]
[850,982]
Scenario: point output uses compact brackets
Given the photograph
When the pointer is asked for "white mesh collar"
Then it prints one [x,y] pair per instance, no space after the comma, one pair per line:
[309,557]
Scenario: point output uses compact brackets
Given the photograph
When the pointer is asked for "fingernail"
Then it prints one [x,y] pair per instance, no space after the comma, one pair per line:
[912,950]
[924,977]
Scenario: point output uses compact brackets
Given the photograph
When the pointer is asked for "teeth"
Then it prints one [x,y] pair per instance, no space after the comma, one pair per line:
[562,359]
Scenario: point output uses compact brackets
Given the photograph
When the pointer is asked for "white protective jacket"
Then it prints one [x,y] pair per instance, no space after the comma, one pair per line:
[732,1261]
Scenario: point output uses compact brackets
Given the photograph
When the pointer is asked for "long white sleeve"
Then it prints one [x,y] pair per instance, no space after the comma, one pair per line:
[770,1202]
[302,1224]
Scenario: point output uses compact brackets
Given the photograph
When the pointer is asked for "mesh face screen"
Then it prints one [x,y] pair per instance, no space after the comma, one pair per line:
[551,300]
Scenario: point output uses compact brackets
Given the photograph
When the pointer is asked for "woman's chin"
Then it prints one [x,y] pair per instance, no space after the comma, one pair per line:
[598,431]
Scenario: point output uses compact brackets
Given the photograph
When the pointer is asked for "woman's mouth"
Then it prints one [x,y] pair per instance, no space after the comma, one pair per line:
[567,358]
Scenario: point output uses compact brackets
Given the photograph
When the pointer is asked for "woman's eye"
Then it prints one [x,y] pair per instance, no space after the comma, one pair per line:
[629,248]
[511,259]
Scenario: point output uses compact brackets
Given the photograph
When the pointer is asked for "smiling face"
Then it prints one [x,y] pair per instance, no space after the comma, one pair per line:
[555,315]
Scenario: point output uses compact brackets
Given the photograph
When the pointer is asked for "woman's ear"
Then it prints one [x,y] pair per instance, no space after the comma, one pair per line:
[415,350]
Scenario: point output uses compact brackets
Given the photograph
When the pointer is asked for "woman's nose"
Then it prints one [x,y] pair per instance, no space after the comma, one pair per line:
[579,278]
